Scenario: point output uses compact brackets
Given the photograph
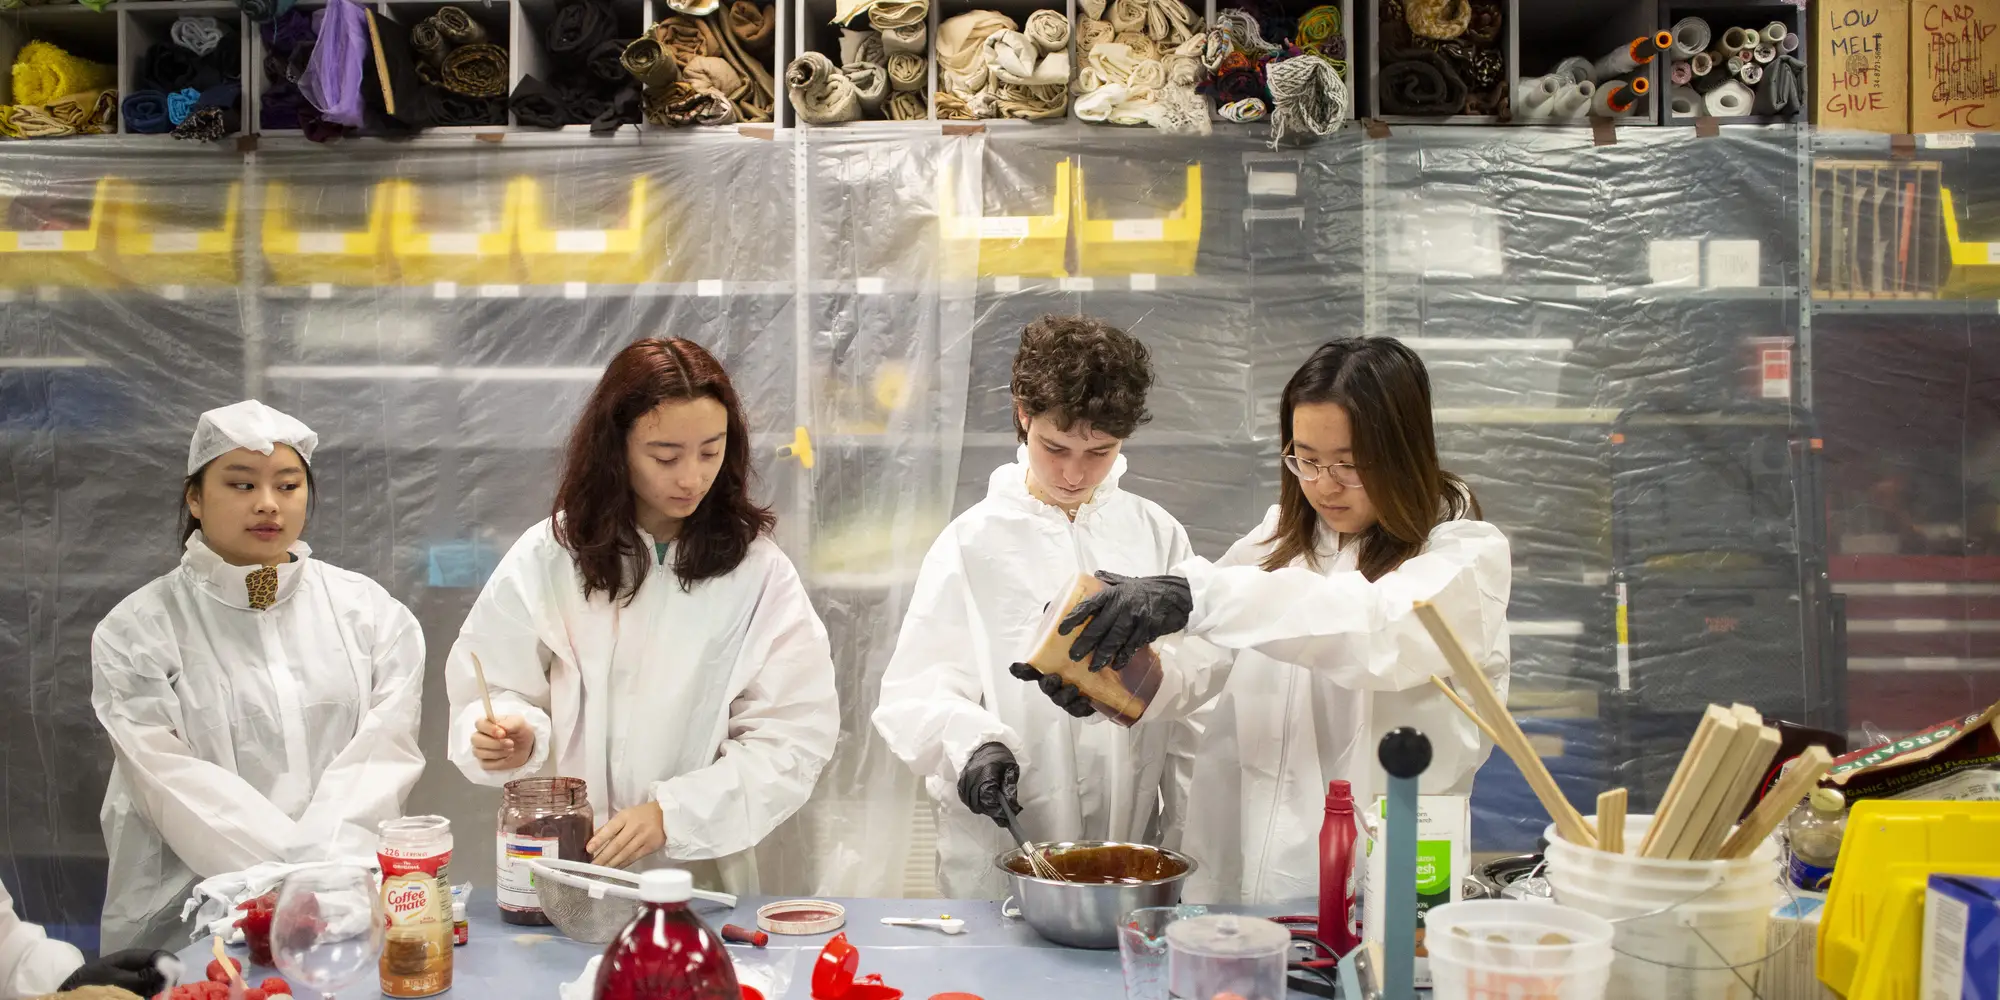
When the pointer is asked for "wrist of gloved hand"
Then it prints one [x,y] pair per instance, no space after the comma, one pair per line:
[1116,622]
[1066,696]
[989,782]
[141,971]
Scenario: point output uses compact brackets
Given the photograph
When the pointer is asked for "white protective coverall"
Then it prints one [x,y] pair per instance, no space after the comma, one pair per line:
[978,601]
[245,736]
[32,964]
[717,702]
[1307,671]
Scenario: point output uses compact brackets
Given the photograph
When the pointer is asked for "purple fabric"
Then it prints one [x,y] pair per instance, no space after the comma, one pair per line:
[290,30]
[332,81]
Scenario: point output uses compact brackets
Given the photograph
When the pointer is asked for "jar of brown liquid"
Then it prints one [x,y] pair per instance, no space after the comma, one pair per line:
[540,818]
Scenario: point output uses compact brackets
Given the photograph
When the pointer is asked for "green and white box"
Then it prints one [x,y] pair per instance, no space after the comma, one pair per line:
[1444,857]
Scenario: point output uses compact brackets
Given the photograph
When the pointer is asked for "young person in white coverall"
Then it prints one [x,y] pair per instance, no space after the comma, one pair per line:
[1303,635]
[262,705]
[947,709]
[649,637]
[33,964]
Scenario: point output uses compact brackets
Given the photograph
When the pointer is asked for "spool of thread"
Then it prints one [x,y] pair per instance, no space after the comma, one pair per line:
[1618,97]
[1680,72]
[1775,32]
[1702,64]
[1764,53]
[1691,35]
[1574,100]
[1684,102]
[1751,73]
[1575,69]
[1790,44]
[1729,100]
[1536,95]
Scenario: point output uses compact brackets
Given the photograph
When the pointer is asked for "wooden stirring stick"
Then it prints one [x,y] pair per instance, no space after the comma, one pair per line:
[1611,821]
[1510,737]
[1772,810]
[1491,736]
[486,696]
[229,966]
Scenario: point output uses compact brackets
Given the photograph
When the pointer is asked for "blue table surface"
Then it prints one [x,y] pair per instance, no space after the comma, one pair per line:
[996,958]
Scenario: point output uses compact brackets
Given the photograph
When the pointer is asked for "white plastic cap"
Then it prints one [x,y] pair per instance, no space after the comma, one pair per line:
[249,424]
[666,885]
[458,911]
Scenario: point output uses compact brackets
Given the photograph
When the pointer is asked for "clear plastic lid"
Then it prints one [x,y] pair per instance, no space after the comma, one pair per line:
[1228,936]
[666,885]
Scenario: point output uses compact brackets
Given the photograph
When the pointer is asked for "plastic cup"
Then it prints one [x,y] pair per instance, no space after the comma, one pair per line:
[1142,948]
[1227,956]
[1510,948]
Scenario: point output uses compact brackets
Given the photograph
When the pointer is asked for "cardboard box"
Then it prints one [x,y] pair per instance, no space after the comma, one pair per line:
[1861,69]
[1444,857]
[1954,66]
[1961,938]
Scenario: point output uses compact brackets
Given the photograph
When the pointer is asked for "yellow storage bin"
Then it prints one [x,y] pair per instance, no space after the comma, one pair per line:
[1871,935]
[1111,247]
[425,254]
[72,257]
[621,255]
[1975,267]
[1030,246]
[334,257]
[153,245]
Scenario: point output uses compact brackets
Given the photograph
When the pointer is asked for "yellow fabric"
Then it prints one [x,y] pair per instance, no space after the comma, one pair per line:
[88,113]
[44,72]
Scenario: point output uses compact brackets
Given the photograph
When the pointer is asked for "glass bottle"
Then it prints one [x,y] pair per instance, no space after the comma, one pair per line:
[666,952]
[548,818]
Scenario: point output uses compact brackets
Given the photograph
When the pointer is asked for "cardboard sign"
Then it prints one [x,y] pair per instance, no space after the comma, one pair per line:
[1863,67]
[1955,66]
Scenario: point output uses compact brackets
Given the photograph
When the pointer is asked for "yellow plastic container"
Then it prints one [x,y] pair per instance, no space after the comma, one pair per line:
[1975,267]
[1871,935]
[151,248]
[341,257]
[1030,246]
[621,255]
[70,258]
[427,256]
[1111,247]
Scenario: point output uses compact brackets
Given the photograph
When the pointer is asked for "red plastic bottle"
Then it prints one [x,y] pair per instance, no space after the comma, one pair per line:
[666,952]
[1336,870]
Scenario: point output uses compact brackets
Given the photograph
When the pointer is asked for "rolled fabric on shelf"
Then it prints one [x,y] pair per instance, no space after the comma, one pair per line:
[44,73]
[682,105]
[1737,39]
[584,102]
[536,104]
[1441,20]
[261,11]
[443,109]
[1574,101]
[822,94]
[1247,110]
[181,103]
[1691,35]
[886,14]
[1702,64]
[907,107]
[1627,58]
[1049,30]
[1033,103]
[428,42]
[1127,15]
[650,63]
[606,61]
[756,101]
[961,50]
[1680,73]
[1419,82]
[145,112]
[910,38]
[1782,91]
[1016,60]
[871,86]
[1683,102]
[713,73]
[863,45]
[1790,43]
[458,27]
[478,70]
[627,108]
[1775,32]
[954,107]
[683,36]
[199,35]
[755,25]
[578,28]
[1091,34]
[1764,53]
[1534,97]
[1731,99]
[1751,74]
[907,73]
[1141,44]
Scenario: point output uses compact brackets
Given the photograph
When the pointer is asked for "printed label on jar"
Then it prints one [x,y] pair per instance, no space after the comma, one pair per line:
[1807,875]
[516,889]
[414,899]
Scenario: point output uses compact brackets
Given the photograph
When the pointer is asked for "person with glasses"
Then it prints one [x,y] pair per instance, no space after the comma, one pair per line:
[1299,648]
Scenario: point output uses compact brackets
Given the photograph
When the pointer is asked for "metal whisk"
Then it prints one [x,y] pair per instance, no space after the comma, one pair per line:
[1036,860]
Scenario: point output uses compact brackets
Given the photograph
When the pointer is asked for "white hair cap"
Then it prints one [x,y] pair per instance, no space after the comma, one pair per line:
[250,425]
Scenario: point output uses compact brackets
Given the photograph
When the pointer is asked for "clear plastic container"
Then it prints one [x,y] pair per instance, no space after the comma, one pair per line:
[1511,948]
[1226,957]
[666,952]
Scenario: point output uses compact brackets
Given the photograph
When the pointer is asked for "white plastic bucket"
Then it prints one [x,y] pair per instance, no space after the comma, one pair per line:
[1500,949]
[1685,930]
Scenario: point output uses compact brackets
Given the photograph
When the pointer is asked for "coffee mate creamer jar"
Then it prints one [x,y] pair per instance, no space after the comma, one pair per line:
[416,957]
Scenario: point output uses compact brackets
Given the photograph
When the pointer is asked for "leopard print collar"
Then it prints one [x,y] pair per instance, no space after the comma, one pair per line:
[252,588]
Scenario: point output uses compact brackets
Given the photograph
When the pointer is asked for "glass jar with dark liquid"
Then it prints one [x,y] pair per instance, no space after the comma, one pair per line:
[540,819]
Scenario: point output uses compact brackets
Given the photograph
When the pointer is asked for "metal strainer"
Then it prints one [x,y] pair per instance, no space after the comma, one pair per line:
[592,904]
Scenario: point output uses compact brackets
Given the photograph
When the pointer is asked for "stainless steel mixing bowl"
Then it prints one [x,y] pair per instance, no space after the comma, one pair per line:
[1083,915]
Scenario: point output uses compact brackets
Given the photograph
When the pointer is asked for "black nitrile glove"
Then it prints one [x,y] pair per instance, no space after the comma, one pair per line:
[136,971]
[1066,695]
[989,778]
[1128,613]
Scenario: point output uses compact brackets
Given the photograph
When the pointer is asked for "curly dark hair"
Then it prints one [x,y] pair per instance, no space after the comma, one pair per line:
[596,518]
[1081,370]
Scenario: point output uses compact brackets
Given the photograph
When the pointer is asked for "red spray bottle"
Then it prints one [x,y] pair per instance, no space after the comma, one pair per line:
[1337,835]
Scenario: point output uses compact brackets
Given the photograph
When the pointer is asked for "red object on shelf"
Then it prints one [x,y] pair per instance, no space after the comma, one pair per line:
[256,926]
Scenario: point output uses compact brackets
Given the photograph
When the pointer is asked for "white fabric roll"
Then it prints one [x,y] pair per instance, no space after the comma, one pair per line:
[1730,99]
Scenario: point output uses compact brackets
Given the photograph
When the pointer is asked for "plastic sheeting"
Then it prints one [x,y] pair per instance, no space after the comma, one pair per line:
[1624,421]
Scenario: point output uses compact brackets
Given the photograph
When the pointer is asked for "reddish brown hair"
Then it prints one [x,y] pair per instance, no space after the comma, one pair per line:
[1386,392]
[596,517]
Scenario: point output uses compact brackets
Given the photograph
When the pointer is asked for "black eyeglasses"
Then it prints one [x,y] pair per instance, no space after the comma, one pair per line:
[1344,473]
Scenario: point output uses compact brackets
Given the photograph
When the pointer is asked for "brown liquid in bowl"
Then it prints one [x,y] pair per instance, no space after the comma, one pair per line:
[1118,864]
